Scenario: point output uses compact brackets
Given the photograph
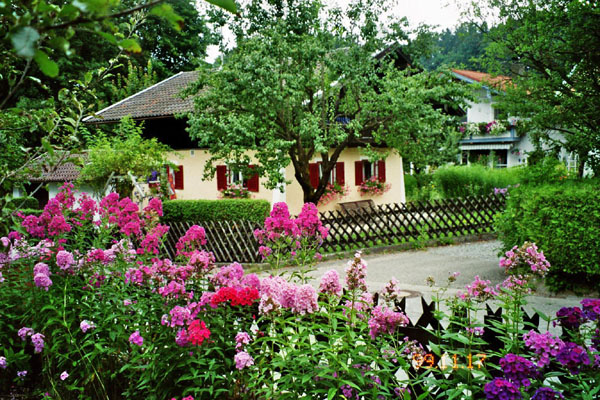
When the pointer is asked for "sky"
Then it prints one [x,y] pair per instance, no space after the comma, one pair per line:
[442,13]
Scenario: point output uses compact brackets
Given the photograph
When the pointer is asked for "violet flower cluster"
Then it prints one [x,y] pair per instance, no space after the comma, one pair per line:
[518,370]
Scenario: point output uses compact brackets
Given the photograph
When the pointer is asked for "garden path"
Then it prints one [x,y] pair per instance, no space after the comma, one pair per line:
[411,268]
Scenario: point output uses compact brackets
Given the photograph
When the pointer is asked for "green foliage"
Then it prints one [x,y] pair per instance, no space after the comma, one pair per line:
[215,210]
[31,211]
[307,68]
[24,203]
[125,153]
[551,49]
[410,186]
[562,220]
[474,180]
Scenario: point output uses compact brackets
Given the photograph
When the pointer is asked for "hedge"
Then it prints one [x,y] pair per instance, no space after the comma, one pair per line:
[23,203]
[564,221]
[474,180]
[215,210]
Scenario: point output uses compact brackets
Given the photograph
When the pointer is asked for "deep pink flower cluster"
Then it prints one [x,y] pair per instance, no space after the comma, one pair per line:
[136,338]
[478,290]
[240,296]
[153,209]
[151,242]
[356,273]
[570,317]
[518,370]
[198,332]
[573,356]
[173,289]
[333,192]
[525,259]
[309,224]
[501,389]
[202,261]
[191,241]
[373,187]
[122,212]
[330,283]
[385,320]
[41,276]
[544,345]
[86,211]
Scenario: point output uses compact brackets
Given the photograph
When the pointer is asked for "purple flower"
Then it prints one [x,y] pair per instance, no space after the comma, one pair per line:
[518,369]
[546,393]
[21,374]
[64,375]
[330,283]
[64,260]
[42,281]
[591,309]
[24,332]
[544,345]
[501,389]
[85,325]
[243,360]
[136,338]
[2,362]
[573,356]
[38,342]
[41,268]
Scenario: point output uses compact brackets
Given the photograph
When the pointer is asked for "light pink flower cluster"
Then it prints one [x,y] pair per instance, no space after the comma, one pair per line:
[86,325]
[241,340]
[65,260]
[242,358]
[478,290]
[277,293]
[191,241]
[202,261]
[526,260]
[41,276]
[544,345]
[330,283]
[391,291]
[361,306]
[229,275]
[37,339]
[385,320]
[515,283]
[356,273]
[333,192]
[173,290]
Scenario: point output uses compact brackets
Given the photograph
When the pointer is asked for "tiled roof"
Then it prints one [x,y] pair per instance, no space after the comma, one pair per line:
[65,172]
[498,81]
[160,100]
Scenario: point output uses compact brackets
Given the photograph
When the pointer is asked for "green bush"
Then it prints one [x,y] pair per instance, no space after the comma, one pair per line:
[410,186]
[215,210]
[31,211]
[563,219]
[23,203]
[474,180]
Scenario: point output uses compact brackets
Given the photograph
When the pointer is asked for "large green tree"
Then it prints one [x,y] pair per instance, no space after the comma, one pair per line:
[306,81]
[552,50]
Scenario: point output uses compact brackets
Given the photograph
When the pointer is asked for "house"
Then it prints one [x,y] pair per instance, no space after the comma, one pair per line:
[486,134]
[159,107]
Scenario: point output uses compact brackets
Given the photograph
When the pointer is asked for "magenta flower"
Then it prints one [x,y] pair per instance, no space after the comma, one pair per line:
[41,268]
[136,338]
[2,362]
[518,369]
[242,360]
[385,320]
[64,375]
[64,260]
[330,283]
[573,356]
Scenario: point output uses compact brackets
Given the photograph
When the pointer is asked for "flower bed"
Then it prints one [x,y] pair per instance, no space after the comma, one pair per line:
[89,310]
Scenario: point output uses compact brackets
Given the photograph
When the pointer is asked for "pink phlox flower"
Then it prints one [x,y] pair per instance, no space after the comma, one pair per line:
[544,345]
[136,338]
[86,325]
[241,340]
[305,301]
[251,280]
[38,342]
[154,207]
[64,260]
[391,291]
[242,360]
[64,375]
[5,241]
[24,332]
[356,273]
[2,362]
[479,290]
[330,283]
[229,275]
[42,281]
[182,338]
[172,289]
[308,222]
[41,268]
[203,261]
[361,305]
[515,283]
[385,320]
[192,240]
[151,242]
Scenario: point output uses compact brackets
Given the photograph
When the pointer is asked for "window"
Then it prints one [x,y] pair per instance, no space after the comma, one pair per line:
[227,176]
[365,170]
[337,174]
[175,177]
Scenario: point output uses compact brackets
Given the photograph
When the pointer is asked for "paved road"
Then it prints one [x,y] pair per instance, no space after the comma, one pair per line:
[411,268]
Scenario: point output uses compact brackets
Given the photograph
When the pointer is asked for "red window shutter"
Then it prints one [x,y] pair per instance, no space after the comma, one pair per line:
[179,177]
[381,170]
[358,173]
[253,184]
[313,171]
[221,177]
[339,173]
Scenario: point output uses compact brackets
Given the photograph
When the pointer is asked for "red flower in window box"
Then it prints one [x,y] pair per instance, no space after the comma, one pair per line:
[373,187]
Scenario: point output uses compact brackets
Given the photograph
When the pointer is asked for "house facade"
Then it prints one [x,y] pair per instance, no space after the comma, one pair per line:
[159,105]
[501,142]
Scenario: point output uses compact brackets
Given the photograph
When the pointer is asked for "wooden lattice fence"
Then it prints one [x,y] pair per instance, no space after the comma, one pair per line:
[366,227]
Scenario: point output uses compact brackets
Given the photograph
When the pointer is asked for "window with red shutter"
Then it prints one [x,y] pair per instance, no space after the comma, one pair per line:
[313,171]
[339,173]
[179,178]
[252,183]
[358,173]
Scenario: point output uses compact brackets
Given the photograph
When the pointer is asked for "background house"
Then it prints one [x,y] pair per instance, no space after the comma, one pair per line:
[158,107]
[509,146]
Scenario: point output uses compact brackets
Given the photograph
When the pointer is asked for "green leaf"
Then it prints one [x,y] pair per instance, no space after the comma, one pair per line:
[165,11]
[228,5]
[46,145]
[24,40]
[331,393]
[48,67]
[130,45]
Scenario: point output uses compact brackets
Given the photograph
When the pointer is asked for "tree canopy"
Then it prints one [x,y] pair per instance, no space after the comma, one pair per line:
[552,50]
[306,81]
